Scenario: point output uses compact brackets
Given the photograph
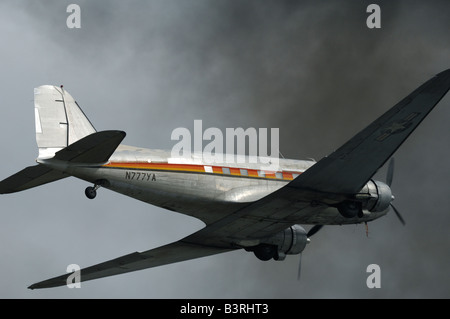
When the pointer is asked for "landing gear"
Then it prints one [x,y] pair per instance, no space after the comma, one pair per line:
[91,192]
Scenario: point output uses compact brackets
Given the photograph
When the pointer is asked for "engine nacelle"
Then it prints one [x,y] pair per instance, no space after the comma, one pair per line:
[291,241]
[380,196]
[375,196]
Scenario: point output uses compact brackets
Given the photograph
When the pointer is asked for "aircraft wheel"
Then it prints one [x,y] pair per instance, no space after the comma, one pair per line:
[90,192]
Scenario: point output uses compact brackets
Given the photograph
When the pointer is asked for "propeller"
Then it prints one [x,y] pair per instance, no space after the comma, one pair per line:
[314,230]
[398,215]
[389,179]
[311,232]
[390,172]
[299,266]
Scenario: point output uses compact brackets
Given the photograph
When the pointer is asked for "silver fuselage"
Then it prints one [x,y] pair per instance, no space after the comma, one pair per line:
[208,192]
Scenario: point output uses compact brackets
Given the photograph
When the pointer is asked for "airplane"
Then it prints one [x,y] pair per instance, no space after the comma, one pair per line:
[242,206]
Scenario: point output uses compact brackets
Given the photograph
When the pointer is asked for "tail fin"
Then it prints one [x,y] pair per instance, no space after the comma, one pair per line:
[63,133]
[59,120]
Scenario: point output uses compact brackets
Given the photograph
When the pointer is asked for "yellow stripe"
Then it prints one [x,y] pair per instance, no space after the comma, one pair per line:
[286,175]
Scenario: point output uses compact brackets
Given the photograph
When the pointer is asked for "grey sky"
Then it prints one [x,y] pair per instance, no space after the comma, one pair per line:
[312,69]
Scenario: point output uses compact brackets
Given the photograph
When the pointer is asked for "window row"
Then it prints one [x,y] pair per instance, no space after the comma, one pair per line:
[251,173]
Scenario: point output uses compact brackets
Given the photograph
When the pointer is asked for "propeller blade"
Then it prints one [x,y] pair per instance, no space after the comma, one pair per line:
[398,215]
[314,230]
[390,172]
[299,267]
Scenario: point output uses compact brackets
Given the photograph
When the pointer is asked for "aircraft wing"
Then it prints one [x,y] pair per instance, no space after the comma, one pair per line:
[350,167]
[171,253]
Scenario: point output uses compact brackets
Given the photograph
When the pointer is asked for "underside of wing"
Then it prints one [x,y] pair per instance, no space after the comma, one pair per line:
[171,253]
[349,168]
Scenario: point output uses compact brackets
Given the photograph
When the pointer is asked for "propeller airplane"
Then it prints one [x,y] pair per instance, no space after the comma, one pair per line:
[242,205]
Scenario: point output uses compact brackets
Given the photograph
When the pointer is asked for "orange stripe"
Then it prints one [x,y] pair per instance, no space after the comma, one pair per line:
[287,175]
[253,173]
[217,170]
[235,171]
[270,174]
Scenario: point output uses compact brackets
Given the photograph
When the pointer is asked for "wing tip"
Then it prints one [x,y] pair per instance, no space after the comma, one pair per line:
[50,283]
[44,284]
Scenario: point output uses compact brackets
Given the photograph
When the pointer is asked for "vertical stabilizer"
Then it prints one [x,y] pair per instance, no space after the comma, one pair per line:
[59,120]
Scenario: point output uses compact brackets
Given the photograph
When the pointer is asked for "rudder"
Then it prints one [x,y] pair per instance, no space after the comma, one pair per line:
[59,120]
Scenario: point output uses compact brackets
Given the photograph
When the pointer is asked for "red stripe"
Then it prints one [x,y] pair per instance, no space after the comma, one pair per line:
[287,175]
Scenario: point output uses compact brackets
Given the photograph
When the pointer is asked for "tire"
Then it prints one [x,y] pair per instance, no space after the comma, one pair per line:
[90,192]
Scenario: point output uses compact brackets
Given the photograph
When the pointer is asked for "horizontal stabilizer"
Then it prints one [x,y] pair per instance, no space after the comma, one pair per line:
[30,177]
[95,148]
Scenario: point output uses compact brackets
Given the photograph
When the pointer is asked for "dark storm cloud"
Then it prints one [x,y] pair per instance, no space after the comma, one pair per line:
[311,68]
[257,63]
